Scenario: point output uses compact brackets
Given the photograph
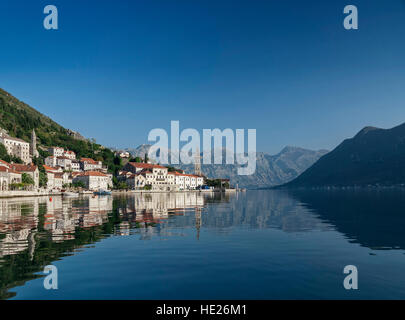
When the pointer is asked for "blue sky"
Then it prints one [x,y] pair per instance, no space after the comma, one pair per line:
[117,69]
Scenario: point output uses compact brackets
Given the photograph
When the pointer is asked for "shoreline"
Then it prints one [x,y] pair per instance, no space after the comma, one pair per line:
[31,194]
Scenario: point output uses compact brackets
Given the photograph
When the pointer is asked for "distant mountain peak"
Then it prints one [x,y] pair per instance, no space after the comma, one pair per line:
[373,157]
[287,149]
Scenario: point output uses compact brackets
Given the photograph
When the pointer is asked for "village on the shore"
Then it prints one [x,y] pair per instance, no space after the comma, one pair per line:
[63,171]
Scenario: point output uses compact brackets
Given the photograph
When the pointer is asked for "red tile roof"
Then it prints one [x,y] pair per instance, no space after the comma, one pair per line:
[5,169]
[24,167]
[146,165]
[74,174]
[5,163]
[89,160]
[93,174]
[48,168]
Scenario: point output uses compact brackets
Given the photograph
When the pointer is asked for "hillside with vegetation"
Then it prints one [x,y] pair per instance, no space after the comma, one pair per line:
[373,157]
[19,119]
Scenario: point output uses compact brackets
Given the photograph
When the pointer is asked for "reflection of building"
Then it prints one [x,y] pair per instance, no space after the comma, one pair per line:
[64,215]
[157,206]
[18,221]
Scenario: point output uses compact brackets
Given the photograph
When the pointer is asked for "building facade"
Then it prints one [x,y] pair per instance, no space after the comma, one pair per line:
[159,178]
[16,147]
[30,169]
[94,180]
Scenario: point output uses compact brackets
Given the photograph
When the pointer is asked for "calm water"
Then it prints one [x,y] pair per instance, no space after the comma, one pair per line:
[253,245]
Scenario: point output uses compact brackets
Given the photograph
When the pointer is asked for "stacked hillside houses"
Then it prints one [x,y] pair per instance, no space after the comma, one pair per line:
[64,169]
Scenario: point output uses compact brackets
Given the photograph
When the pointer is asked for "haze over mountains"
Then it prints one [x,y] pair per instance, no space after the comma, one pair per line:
[271,170]
[372,157]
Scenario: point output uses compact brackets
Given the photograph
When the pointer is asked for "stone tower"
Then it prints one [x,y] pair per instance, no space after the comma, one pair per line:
[197,163]
[33,145]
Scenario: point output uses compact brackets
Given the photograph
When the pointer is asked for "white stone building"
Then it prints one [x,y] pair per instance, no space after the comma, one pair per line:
[64,162]
[94,180]
[160,179]
[51,161]
[56,151]
[16,147]
[69,154]
[29,169]
[75,165]
[88,164]
[8,176]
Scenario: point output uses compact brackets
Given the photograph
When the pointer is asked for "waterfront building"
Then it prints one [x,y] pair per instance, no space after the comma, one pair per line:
[8,177]
[50,174]
[29,169]
[136,181]
[94,180]
[159,177]
[58,180]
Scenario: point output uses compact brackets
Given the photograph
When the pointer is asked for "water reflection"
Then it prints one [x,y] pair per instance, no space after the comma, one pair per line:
[372,218]
[35,232]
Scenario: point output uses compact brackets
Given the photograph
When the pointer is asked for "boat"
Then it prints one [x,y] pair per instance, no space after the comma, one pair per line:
[102,192]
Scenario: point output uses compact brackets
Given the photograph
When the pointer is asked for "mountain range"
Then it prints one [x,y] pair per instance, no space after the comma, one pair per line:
[373,156]
[271,170]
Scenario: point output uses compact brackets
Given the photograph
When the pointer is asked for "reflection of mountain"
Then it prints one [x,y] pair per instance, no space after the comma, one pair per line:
[255,209]
[374,219]
[35,232]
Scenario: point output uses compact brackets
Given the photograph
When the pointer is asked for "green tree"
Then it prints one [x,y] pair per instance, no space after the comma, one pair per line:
[16,160]
[43,179]
[27,179]
[3,153]
[122,185]
[79,184]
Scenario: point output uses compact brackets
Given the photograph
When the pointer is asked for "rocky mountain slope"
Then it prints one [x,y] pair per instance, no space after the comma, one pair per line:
[372,157]
[271,170]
